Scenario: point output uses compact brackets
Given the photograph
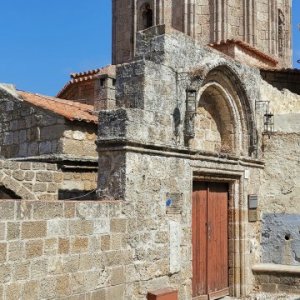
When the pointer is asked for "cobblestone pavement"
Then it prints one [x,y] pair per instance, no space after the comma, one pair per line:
[266,296]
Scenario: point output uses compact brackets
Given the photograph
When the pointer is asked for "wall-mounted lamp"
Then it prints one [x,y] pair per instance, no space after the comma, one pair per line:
[190,112]
[268,117]
[268,123]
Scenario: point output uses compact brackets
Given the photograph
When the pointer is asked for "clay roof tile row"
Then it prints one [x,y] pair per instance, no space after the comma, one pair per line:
[70,110]
[109,70]
[247,47]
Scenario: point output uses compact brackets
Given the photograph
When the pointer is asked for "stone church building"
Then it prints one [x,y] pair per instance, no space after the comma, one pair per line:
[171,174]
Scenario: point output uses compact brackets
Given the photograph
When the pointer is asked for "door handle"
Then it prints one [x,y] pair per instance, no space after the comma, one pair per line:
[209,230]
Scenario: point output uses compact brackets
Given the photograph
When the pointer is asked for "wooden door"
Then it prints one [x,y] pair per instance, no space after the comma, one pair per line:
[210,240]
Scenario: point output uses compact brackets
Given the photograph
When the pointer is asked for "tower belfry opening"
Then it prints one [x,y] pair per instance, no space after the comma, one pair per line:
[147,17]
[208,22]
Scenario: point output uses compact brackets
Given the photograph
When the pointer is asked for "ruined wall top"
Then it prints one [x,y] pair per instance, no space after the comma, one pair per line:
[264,24]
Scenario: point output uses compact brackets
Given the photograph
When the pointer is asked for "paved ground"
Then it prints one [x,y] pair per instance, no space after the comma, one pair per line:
[266,296]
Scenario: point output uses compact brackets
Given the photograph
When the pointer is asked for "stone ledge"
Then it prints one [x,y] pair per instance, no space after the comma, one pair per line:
[276,268]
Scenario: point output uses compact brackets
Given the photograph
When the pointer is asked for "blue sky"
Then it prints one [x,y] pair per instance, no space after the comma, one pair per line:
[42,42]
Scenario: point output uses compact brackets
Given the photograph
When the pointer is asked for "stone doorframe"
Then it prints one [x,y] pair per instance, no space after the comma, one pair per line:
[237,224]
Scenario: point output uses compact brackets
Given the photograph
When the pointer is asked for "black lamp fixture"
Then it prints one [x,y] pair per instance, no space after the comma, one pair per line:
[268,123]
[268,117]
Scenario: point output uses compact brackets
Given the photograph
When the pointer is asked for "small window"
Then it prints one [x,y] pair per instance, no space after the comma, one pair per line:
[146,17]
[102,81]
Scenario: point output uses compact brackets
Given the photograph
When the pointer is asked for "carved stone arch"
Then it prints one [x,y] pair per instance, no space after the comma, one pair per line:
[224,99]
[145,14]
[16,187]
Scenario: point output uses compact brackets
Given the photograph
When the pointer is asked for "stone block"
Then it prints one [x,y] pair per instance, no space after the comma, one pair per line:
[44,176]
[18,175]
[98,295]
[77,282]
[47,197]
[13,291]
[13,230]
[2,231]
[58,177]
[69,210]
[45,147]
[81,227]
[105,242]
[54,210]
[38,210]
[63,287]
[25,165]
[55,265]
[79,245]
[7,210]
[52,188]
[48,287]
[118,225]
[71,263]
[21,271]
[116,241]
[34,248]
[115,292]
[57,227]
[24,210]
[102,226]
[51,246]
[15,250]
[3,252]
[39,268]
[29,175]
[34,229]
[63,246]
[31,290]
[117,276]
[5,273]
[51,167]
[40,187]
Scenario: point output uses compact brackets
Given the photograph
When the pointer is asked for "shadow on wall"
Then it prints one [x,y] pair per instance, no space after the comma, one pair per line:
[280,239]
[7,194]
[77,195]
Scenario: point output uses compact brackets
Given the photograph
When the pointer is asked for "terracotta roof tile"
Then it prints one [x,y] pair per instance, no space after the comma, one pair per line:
[70,110]
[247,47]
[109,70]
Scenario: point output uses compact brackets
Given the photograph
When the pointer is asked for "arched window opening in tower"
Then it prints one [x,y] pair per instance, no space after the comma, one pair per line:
[147,17]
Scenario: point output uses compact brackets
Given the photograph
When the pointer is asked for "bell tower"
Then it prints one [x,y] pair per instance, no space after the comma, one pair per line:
[264,24]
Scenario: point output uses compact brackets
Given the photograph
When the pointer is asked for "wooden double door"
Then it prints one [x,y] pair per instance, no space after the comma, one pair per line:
[210,240]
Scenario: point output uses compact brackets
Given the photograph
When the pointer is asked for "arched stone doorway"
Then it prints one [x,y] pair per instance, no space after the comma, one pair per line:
[224,127]
[13,188]
[224,119]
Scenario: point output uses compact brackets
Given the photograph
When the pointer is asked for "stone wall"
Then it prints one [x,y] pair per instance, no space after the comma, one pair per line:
[62,249]
[27,131]
[78,184]
[144,155]
[78,140]
[280,282]
[46,181]
[29,180]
